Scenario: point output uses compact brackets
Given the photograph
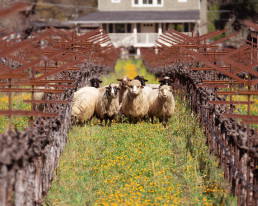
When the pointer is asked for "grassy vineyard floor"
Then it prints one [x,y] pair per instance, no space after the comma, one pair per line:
[139,164]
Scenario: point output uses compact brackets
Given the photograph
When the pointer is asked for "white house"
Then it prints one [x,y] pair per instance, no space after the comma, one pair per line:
[138,23]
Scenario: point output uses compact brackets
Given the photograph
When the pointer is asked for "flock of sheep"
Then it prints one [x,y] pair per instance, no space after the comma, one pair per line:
[130,98]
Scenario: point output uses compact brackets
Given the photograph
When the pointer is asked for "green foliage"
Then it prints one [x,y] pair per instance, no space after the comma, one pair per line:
[178,27]
[232,12]
[213,16]
[63,9]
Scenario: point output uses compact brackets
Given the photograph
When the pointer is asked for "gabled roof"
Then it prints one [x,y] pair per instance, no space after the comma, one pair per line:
[140,16]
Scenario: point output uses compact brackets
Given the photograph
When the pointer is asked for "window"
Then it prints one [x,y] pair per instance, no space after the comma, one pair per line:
[129,28]
[119,28]
[176,26]
[182,0]
[115,1]
[186,27]
[148,25]
[104,27]
[110,28]
[147,3]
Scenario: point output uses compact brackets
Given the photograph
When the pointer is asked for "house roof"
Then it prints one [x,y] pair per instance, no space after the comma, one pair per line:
[140,16]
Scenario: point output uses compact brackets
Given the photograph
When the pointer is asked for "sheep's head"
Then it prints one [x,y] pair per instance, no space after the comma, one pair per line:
[166,81]
[165,92]
[95,82]
[135,87]
[141,79]
[112,90]
[124,82]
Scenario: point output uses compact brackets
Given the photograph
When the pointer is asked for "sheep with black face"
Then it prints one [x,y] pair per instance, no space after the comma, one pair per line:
[166,81]
[95,82]
[107,106]
[141,79]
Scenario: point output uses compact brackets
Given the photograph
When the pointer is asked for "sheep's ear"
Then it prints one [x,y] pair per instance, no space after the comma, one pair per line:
[145,80]
[99,81]
[118,88]
[119,80]
[129,80]
[161,81]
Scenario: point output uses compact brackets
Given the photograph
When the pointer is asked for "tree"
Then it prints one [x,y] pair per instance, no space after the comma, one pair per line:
[64,9]
[239,10]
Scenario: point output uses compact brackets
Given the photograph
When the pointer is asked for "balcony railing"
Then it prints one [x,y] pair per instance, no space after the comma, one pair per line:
[136,40]
[146,39]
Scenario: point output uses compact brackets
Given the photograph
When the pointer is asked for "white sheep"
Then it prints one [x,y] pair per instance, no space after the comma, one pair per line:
[148,89]
[135,104]
[162,104]
[39,96]
[84,103]
[153,86]
[123,84]
[107,105]
[102,89]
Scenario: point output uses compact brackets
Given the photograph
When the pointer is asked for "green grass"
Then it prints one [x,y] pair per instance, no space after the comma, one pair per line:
[139,164]
[17,104]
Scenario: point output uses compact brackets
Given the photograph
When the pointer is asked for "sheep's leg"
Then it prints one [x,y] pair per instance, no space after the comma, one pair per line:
[151,119]
[166,122]
[89,121]
[81,123]
[101,122]
[106,117]
[120,117]
[110,121]
[73,120]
